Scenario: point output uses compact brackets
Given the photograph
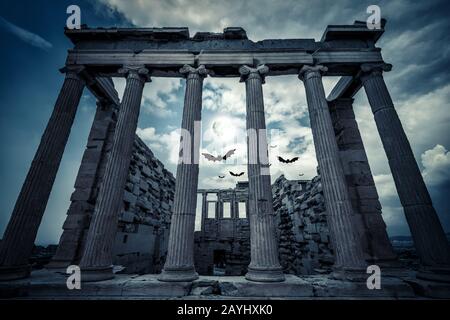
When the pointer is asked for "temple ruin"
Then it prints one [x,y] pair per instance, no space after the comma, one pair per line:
[331,225]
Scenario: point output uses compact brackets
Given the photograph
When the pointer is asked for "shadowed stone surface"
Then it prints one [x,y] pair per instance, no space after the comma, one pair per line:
[96,262]
[50,285]
[426,230]
[20,234]
[363,194]
[264,265]
[179,265]
[349,255]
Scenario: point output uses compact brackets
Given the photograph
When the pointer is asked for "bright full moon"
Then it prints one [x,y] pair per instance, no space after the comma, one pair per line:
[225,128]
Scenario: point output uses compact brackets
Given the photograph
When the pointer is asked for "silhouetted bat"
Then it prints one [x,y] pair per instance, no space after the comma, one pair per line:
[221,177]
[236,174]
[301,174]
[274,146]
[287,160]
[210,157]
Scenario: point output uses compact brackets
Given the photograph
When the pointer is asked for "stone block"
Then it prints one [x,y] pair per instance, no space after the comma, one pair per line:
[127,216]
[129,197]
[367,192]
[76,221]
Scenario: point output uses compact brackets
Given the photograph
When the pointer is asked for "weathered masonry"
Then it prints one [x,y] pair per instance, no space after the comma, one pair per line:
[143,223]
[356,228]
[222,245]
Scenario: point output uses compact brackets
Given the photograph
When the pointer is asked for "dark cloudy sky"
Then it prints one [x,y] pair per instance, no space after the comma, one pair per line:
[416,42]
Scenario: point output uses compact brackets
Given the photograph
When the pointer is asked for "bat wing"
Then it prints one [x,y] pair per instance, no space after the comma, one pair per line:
[228,154]
[236,174]
[293,160]
[281,159]
[210,157]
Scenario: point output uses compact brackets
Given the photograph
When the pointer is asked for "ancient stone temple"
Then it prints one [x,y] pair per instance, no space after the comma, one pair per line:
[352,227]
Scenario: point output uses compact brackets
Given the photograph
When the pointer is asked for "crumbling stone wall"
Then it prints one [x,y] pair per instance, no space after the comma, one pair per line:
[143,229]
[227,236]
[236,248]
[303,235]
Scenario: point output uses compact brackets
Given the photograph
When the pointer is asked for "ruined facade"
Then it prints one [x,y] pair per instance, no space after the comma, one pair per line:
[356,229]
[222,246]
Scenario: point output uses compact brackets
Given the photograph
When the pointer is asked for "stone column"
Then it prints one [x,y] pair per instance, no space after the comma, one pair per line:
[87,182]
[264,265]
[367,216]
[179,264]
[348,251]
[18,239]
[427,232]
[96,263]
[204,211]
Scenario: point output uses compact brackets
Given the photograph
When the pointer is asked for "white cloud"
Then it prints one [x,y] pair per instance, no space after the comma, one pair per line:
[25,35]
[385,186]
[165,145]
[436,164]
[157,95]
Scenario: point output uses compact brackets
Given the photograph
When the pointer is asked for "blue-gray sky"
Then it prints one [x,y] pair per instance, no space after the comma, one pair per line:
[34,48]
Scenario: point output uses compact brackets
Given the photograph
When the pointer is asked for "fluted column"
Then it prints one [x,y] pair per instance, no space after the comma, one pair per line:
[264,265]
[96,263]
[179,264]
[18,239]
[204,212]
[427,232]
[349,254]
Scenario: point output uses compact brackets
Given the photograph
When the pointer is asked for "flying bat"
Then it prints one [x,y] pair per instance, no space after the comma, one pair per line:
[287,160]
[274,146]
[210,157]
[221,177]
[301,174]
[236,174]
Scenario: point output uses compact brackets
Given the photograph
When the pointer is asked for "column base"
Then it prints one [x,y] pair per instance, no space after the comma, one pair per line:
[261,274]
[178,275]
[350,274]
[8,273]
[92,274]
[440,274]
[58,265]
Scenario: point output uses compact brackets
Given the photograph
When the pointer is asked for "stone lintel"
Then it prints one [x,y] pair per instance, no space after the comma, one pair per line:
[105,63]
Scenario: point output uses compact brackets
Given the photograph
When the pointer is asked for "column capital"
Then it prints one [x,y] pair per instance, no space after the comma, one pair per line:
[248,72]
[308,71]
[374,69]
[138,72]
[72,71]
[188,70]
